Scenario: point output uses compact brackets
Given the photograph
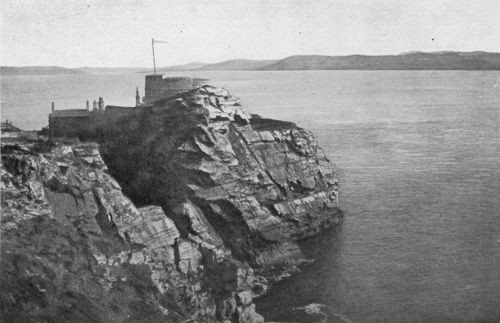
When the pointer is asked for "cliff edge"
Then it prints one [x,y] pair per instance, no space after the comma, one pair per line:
[262,183]
[171,215]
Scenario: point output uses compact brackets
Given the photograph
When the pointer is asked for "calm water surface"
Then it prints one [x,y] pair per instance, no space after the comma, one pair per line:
[419,157]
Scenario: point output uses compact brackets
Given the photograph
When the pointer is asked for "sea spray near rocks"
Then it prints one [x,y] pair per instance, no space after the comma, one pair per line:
[214,193]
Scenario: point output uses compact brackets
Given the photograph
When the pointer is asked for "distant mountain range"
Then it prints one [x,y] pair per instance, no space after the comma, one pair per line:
[185,67]
[109,70]
[446,60]
[238,65]
[410,61]
[36,70]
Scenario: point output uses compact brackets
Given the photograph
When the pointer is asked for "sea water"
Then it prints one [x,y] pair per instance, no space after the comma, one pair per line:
[418,154]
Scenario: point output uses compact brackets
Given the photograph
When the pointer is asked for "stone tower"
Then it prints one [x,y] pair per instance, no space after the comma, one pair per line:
[101,104]
[137,97]
[158,88]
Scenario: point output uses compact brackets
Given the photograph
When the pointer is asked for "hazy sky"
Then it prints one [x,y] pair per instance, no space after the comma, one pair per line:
[118,32]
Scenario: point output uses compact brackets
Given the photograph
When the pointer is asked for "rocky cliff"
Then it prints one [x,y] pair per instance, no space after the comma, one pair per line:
[191,200]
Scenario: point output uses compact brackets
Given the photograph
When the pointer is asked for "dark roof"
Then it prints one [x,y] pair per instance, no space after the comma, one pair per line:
[70,113]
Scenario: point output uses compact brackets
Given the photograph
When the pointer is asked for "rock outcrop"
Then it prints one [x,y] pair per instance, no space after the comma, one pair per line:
[199,198]
[263,184]
[74,248]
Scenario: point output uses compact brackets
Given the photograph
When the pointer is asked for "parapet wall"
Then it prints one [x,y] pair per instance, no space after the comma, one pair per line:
[158,87]
[85,124]
[80,126]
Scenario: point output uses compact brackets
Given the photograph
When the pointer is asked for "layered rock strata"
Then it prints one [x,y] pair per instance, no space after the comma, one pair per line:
[75,249]
[210,194]
[263,184]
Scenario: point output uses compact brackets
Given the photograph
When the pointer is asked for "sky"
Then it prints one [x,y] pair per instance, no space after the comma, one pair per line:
[113,33]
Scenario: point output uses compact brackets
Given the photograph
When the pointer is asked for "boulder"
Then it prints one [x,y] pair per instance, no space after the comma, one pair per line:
[245,297]
[247,314]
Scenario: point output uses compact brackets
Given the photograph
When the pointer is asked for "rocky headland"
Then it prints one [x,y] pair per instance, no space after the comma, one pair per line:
[171,214]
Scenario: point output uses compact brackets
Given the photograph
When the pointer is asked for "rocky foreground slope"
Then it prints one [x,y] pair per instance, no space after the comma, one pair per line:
[171,215]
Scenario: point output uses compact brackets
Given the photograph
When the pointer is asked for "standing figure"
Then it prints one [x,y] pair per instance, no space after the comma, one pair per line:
[87,105]
[94,105]
[53,107]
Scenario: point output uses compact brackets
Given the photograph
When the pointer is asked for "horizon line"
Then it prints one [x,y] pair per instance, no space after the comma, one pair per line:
[256,59]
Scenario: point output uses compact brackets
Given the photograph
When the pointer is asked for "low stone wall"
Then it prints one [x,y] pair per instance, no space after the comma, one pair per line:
[89,126]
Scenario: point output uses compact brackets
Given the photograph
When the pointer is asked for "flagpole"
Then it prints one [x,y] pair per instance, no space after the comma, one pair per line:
[154,62]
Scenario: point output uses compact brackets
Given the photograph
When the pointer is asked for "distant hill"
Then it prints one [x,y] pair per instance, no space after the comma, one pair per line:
[415,60]
[237,65]
[408,61]
[183,67]
[145,70]
[36,70]
[109,70]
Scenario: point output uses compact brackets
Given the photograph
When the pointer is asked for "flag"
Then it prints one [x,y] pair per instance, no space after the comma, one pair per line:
[159,41]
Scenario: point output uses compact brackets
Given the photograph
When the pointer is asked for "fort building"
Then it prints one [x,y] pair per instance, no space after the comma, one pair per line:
[157,87]
[84,123]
